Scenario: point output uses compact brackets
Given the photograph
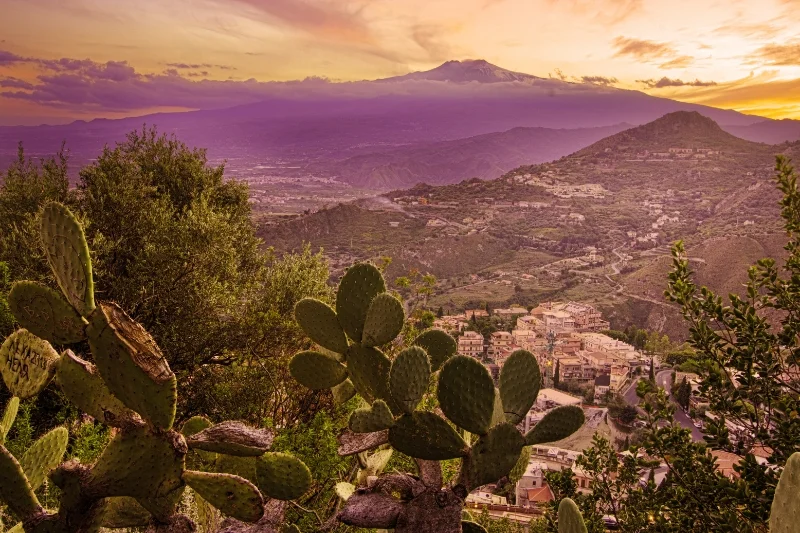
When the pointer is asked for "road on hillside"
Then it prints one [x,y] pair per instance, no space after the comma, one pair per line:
[664,380]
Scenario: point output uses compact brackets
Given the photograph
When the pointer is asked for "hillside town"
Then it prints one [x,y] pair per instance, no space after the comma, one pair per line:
[572,344]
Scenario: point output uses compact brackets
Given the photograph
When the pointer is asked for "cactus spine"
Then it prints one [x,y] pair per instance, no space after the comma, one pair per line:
[365,318]
[140,476]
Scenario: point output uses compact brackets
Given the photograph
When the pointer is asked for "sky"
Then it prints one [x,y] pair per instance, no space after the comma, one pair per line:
[62,60]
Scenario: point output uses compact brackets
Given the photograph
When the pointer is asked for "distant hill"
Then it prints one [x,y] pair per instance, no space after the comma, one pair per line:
[681,129]
[483,156]
[595,225]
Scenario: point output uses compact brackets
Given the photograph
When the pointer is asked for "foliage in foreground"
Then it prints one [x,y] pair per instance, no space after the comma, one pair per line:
[140,476]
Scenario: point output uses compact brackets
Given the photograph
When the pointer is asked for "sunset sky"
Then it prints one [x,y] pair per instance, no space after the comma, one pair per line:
[67,59]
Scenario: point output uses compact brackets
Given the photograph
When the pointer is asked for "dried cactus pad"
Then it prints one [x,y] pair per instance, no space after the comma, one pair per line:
[68,255]
[384,321]
[9,415]
[558,424]
[494,455]
[425,435]
[520,380]
[359,286]
[282,476]
[84,387]
[369,372]
[374,418]
[14,488]
[321,324]
[439,345]
[43,456]
[45,313]
[409,377]
[132,365]
[466,394]
[785,513]
[569,517]
[233,495]
[316,370]
[27,363]
[233,438]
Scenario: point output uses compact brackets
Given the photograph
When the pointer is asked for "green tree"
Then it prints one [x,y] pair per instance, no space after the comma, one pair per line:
[557,374]
[6,318]
[683,394]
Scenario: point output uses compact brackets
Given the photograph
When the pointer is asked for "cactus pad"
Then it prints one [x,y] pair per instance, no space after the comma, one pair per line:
[466,394]
[124,512]
[14,488]
[494,455]
[569,517]
[142,464]
[68,255]
[282,476]
[359,286]
[343,392]
[27,363]
[45,313]
[784,515]
[132,365]
[43,456]
[9,415]
[194,425]
[468,526]
[316,370]
[439,345]
[233,495]
[321,324]
[369,372]
[240,466]
[384,321]
[425,435]
[520,379]
[232,438]
[558,424]
[409,377]
[84,387]
[375,418]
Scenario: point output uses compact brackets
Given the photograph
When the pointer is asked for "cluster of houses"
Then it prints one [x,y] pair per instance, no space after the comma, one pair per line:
[679,153]
[564,336]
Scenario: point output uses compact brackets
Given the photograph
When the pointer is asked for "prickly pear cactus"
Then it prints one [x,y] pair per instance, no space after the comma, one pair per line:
[141,475]
[570,519]
[785,513]
[350,361]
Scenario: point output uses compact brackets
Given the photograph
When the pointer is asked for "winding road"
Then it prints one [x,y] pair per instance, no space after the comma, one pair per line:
[664,380]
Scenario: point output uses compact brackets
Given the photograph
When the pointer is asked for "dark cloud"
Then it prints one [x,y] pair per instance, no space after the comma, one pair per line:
[643,50]
[199,65]
[599,80]
[669,82]
[7,58]
[15,83]
[91,87]
[785,55]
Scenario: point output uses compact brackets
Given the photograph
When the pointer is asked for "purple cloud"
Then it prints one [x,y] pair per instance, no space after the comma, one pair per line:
[668,82]
[8,58]
[187,66]
[15,83]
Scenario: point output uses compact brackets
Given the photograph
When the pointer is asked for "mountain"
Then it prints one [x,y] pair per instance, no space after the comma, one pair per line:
[389,133]
[482,156]
[593,226]
[681,129]
[469,70]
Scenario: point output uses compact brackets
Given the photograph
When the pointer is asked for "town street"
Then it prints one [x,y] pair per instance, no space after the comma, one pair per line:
[663,379]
